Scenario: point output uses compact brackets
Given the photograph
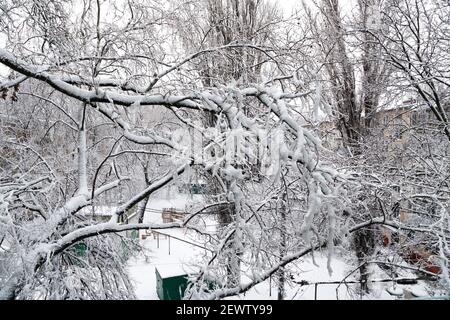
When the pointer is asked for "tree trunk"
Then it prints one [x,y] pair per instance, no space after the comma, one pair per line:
[281,272]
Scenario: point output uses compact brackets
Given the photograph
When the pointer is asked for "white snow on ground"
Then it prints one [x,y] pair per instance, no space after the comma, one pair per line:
[170,256]
[173,257]
[142,270]
[305,269]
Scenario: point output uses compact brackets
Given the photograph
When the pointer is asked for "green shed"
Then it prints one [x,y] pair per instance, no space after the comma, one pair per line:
[170,283]
[80,249]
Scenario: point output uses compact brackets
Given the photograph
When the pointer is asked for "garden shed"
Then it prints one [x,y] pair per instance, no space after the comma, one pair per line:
[171,282]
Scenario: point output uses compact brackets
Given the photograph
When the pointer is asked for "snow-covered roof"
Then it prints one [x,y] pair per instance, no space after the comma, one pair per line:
[172,270]
[407,103]
[98,210]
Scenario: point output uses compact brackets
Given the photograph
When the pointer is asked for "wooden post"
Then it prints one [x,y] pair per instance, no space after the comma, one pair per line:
[157,239]
[315,291]
[169,245]
[270,286]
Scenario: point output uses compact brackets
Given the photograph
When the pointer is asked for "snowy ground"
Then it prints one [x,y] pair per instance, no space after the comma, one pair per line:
[168,254]
[142,270]
[173,256]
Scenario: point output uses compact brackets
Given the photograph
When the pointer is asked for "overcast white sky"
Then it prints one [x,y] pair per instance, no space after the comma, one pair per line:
[287,4]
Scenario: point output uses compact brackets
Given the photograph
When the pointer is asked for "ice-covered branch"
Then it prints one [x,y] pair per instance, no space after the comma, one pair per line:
[98,229]
[92,96]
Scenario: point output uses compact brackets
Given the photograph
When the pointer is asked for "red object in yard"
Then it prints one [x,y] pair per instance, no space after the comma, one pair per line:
[386,240]
[433,268]
[423,260]
[415,257]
